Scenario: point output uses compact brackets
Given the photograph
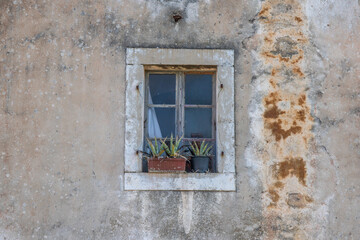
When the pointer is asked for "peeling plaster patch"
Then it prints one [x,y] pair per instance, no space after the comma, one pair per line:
[298,200]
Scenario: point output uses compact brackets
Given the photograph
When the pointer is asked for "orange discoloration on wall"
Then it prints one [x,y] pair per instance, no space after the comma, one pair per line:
[290,167]
[279,184]
[302,99]
[273,72]
[297,71]
[272,12]
[283,123]
[280,133]
[296,60]
[263,11]
[274,193]
[271,110]
[274,196]
[301,115]
[287,118]
[299,20]
[273,83]
[268,40]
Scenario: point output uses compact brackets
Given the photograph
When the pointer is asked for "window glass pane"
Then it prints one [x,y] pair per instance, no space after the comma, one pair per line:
[198,122]
[162,88]
[161,122]
[198,89]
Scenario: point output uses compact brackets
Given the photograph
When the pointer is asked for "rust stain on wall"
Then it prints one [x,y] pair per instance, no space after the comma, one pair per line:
[263,11]
[287,118]
[274,196]
[272,111]
[301,115]
[290,167]
[279,184]
[281,123]
[297,71]
[299,20]
[280,133]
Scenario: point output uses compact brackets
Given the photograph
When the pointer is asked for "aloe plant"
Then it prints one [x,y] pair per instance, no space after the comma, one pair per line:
[203,150]
[156,149]
[173,148]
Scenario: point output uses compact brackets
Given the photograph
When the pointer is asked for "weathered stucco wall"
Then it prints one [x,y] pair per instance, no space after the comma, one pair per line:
[297,92]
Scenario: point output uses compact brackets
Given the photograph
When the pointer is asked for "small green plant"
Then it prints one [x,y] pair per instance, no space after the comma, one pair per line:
[203,150]
[173,148]
[155,149]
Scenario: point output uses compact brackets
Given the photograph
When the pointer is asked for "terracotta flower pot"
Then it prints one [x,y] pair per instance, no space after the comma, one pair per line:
[166,165]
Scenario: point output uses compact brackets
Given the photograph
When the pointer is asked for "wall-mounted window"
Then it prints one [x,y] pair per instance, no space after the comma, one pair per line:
[181,101]
[187,92]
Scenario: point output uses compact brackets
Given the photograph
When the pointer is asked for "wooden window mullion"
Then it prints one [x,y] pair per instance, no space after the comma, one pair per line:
[177,104]
[146,107]
[214,100]
[181,90]
[214,105]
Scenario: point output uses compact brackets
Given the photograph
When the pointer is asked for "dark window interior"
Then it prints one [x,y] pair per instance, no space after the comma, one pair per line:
[181,103]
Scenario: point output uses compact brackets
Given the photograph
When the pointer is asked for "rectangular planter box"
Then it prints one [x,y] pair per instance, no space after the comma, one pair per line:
[166,165]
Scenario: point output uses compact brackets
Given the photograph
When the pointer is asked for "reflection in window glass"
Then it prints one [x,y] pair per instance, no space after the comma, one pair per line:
[198,122]
[198,89]
[162,88]
[161,122]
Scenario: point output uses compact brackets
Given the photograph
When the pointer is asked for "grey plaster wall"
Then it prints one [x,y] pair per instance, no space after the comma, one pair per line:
[62,95]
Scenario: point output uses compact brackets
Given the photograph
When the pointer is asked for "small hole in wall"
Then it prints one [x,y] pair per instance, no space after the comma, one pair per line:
[177,17]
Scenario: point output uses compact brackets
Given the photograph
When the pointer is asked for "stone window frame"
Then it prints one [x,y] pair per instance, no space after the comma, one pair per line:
[225,177]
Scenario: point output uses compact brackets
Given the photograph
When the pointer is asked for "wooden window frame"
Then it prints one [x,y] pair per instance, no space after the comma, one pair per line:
[180,105]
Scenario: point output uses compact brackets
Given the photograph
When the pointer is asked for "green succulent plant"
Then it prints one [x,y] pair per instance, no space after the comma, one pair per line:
[155,149]
[173,148]
[203,150]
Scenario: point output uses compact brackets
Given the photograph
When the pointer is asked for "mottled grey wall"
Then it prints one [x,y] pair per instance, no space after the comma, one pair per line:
[62,94]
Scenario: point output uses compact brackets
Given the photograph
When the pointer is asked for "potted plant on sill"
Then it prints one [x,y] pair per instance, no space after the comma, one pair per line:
[200,156]
[173,162]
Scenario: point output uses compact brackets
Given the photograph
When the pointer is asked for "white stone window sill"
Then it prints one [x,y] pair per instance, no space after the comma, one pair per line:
[180,181]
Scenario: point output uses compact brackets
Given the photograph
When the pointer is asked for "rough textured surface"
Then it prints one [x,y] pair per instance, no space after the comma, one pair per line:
[62,95]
